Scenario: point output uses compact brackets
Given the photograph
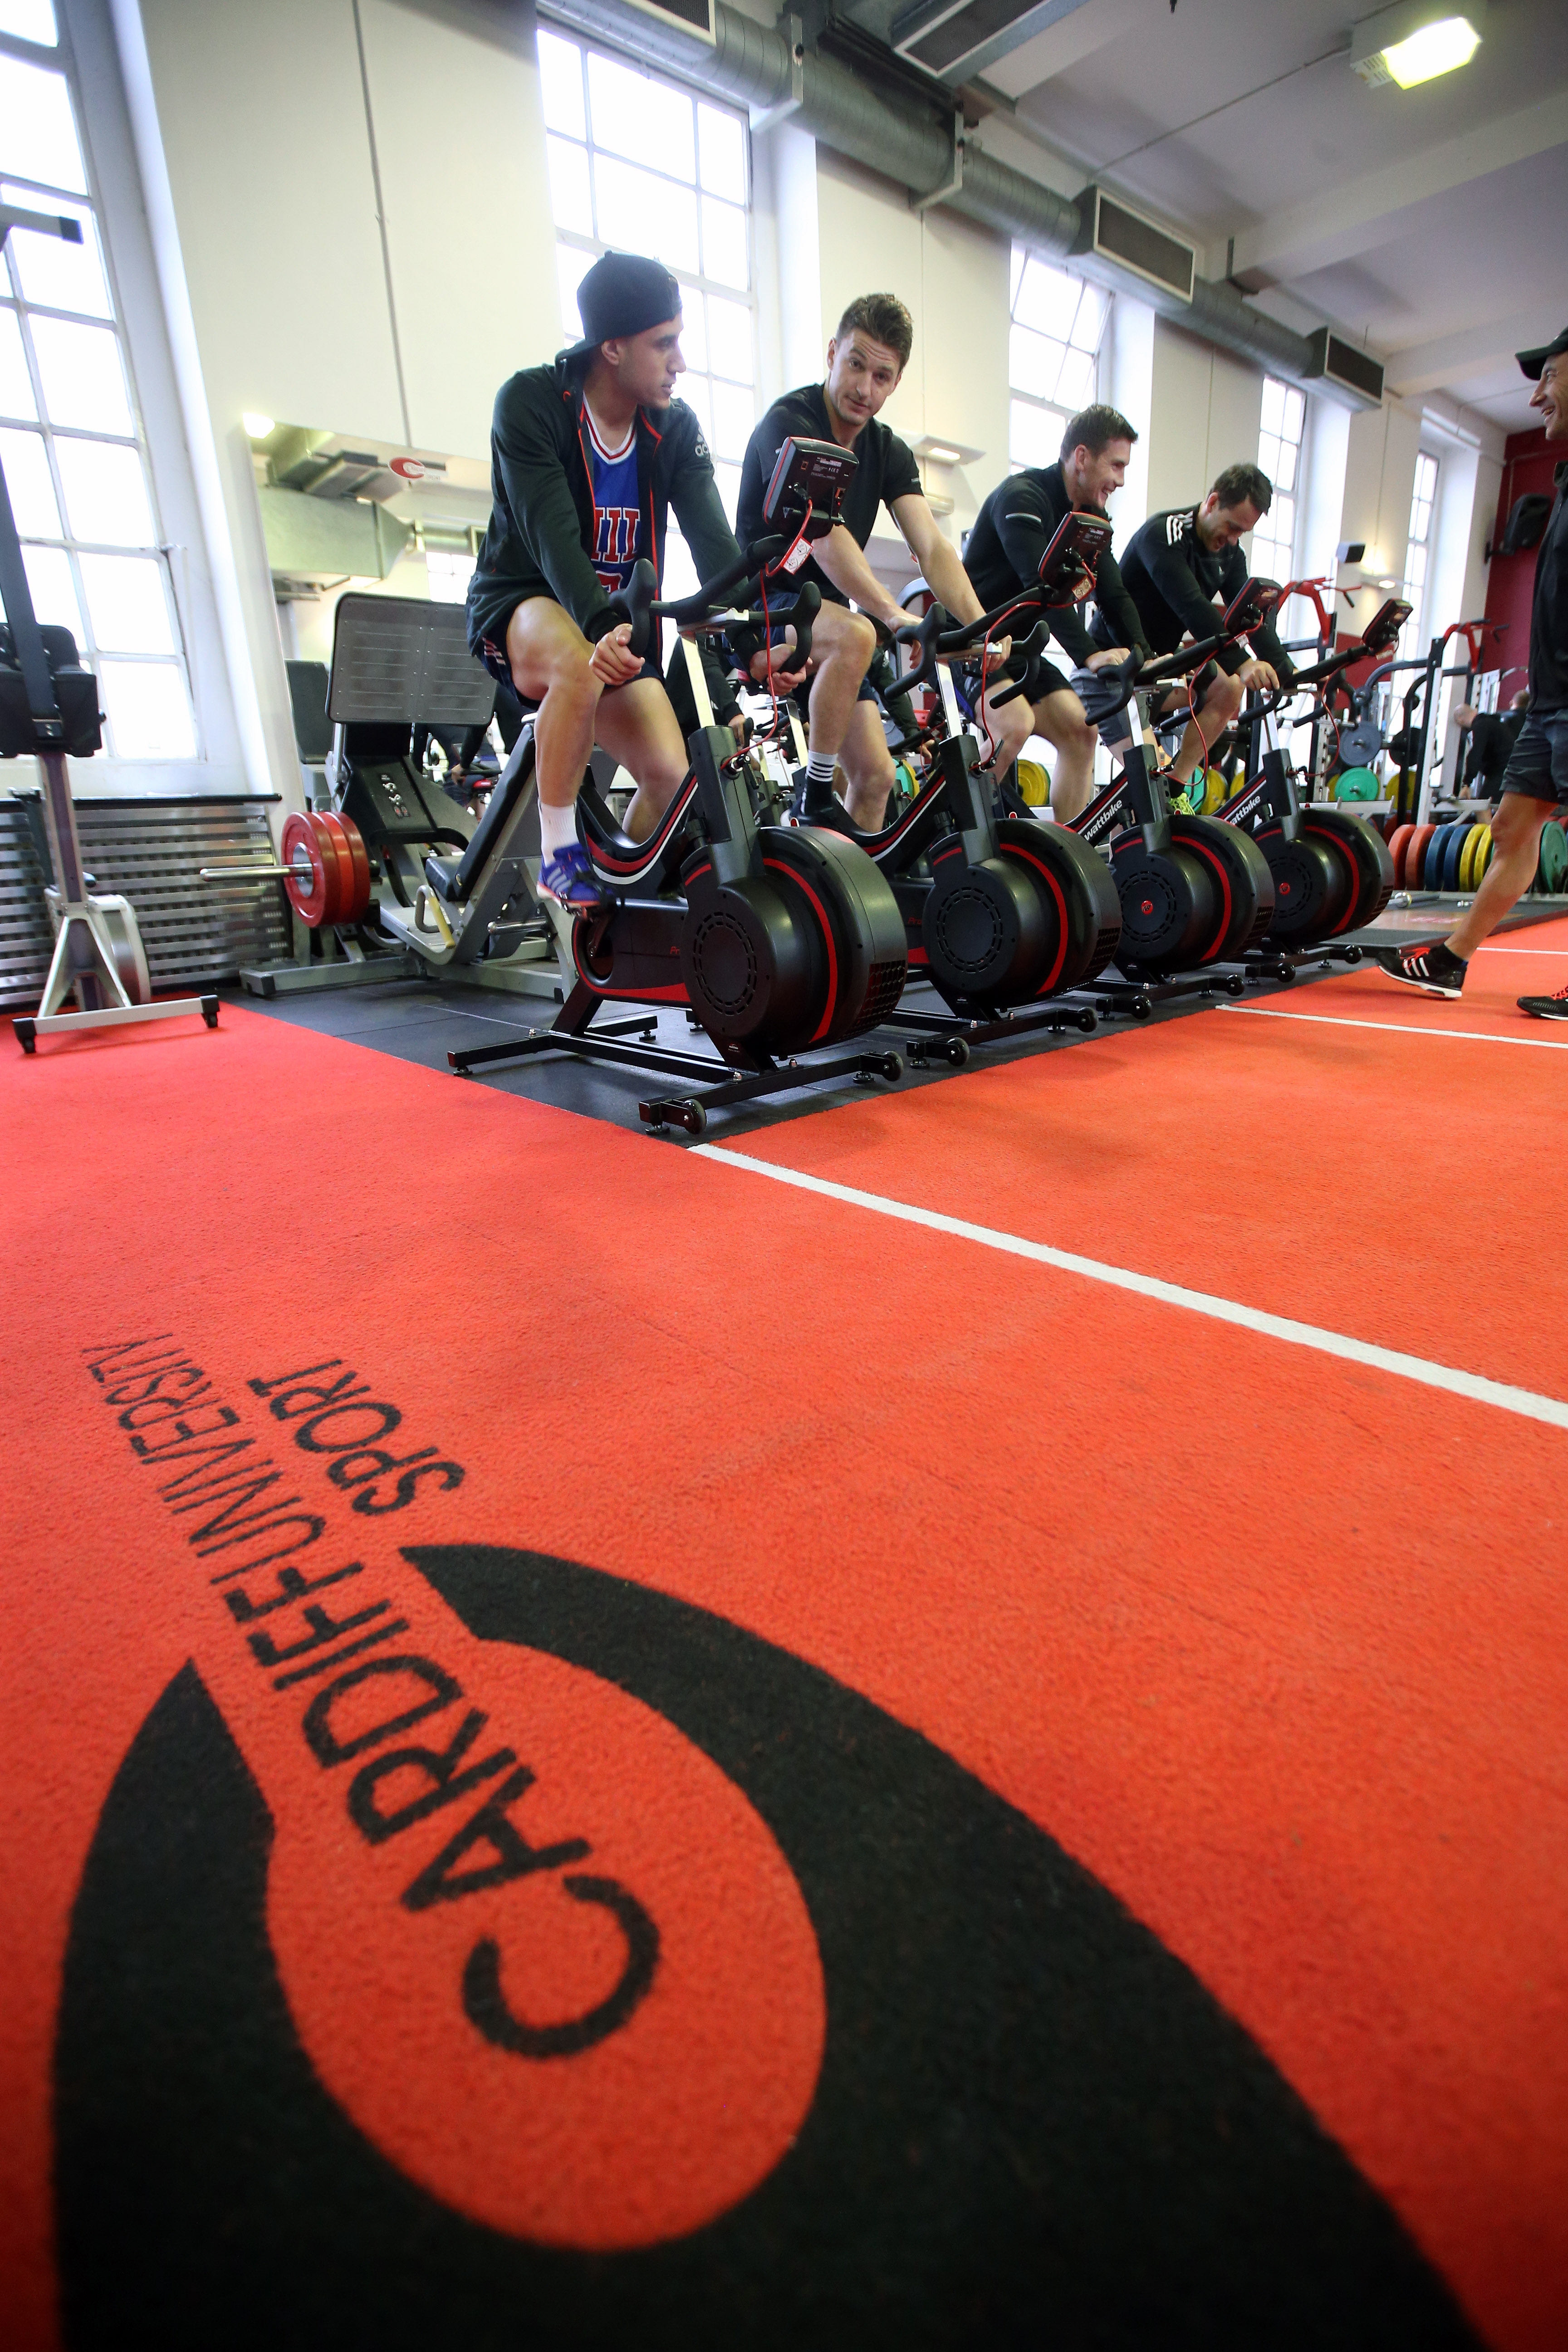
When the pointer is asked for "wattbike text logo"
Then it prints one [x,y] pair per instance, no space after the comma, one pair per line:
[177,1426]
[578,1888]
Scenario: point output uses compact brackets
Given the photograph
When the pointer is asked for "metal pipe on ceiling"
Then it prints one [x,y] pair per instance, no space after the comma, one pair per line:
[756,67]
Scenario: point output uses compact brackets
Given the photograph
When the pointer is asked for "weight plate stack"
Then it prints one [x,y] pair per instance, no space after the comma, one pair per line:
[311,857]
[1454,849]
[1398,843]
[1415,856]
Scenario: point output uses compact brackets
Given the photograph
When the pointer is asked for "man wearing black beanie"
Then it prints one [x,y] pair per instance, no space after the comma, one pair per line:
[587,456]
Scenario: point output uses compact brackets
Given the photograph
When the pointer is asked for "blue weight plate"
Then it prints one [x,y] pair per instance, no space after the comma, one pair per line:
[1432,864]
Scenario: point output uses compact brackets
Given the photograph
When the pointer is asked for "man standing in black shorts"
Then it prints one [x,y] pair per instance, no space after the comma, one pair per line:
[1176,568]
[1536,778]
[1012,532]
[587,458]
[865,358]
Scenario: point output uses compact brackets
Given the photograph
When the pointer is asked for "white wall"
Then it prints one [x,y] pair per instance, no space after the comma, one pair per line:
[1205,411]
[259,137]
[1126,380]
[946,270]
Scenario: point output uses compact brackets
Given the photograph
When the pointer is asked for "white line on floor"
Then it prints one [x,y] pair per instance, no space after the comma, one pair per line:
[1500,1393]
[1484,950]
[1398,1028]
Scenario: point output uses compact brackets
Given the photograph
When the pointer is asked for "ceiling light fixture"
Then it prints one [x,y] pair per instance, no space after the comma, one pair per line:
[257,425]
[932,448]
[1415,42]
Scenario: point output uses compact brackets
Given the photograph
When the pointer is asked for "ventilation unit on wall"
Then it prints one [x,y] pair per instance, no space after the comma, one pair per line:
[1340,362]
[1116,235]
[693,17]
[954,39]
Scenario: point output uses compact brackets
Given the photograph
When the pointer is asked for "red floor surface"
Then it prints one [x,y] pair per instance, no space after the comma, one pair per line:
[1273,1644]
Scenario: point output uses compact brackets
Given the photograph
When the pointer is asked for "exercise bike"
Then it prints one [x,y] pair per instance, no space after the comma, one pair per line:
[1196,896]
[782,940]
[1332,871]
[1000,913]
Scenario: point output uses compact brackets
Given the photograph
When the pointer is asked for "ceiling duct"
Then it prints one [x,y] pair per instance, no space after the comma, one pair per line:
[955,40]
[1336,362]
[1114,234]
[888,131]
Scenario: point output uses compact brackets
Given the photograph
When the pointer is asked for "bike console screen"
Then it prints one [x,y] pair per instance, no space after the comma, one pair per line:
[807,487]
[1068,566]
[1384,626]
[1251,605]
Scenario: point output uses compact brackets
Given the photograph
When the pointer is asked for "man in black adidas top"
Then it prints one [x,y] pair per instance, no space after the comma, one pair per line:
[1177,568]
[587,458]
[865,358]
[1535,780]
[1011,534]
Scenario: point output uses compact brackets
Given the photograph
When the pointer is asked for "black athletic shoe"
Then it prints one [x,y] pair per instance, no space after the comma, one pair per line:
[1546,1008]
[1432,968]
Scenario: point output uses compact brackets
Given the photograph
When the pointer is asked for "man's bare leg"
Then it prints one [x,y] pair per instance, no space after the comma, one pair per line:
[1061,720]
[1517,829]
[866,761]
[638,726]
[549,656]
[1217,709]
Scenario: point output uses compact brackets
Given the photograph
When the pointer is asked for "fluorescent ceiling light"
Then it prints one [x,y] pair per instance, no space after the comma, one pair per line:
[1436,49]
[257,427]
[1417,41]
[941,457]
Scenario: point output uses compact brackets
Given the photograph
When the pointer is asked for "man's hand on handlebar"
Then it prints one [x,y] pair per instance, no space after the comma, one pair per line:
[785,682]
[1106,660]
[1261,676]
[612,660]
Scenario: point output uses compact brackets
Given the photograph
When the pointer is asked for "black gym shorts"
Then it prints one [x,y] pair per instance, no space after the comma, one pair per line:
[1538,764]
[966,679]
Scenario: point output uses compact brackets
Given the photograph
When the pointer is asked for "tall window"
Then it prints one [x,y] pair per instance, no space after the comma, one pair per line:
[640,164]
[1058,321]
[74,453]
[1279,456]
[1417,550]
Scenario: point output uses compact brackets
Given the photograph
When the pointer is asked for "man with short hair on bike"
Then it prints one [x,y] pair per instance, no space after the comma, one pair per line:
[1535,780]
[1177,567]
[865,359]
[1014,526]
[587,456]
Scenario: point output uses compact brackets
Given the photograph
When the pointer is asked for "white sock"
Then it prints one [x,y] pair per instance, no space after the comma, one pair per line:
[557,827]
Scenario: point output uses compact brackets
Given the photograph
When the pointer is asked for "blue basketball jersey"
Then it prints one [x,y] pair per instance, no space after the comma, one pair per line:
[615,507]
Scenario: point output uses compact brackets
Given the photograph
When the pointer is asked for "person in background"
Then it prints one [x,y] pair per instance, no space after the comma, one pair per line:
[865,359]
[1177,568]
[1490,737]
[1012,531]
[1535,780]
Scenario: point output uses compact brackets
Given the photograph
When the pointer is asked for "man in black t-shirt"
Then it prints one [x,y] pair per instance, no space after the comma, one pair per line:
[1177,568]
[1012,530]
[1535,782]
[865,358]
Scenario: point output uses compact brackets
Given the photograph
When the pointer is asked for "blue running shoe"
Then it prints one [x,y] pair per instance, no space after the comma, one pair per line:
[569,878]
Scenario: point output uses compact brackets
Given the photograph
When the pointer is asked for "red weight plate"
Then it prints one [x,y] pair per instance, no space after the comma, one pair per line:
[347,883]
[311,883]
[359,905]
[1398,843]
[1414,854]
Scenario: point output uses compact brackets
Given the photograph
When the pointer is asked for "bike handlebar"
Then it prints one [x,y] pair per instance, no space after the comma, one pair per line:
[639,601]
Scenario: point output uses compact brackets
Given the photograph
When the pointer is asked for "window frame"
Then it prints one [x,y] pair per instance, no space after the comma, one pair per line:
[726,469]
[1415,590]
[1018,396]
[146,767]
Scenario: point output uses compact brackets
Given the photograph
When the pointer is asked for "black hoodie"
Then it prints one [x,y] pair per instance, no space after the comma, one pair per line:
[542,526]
